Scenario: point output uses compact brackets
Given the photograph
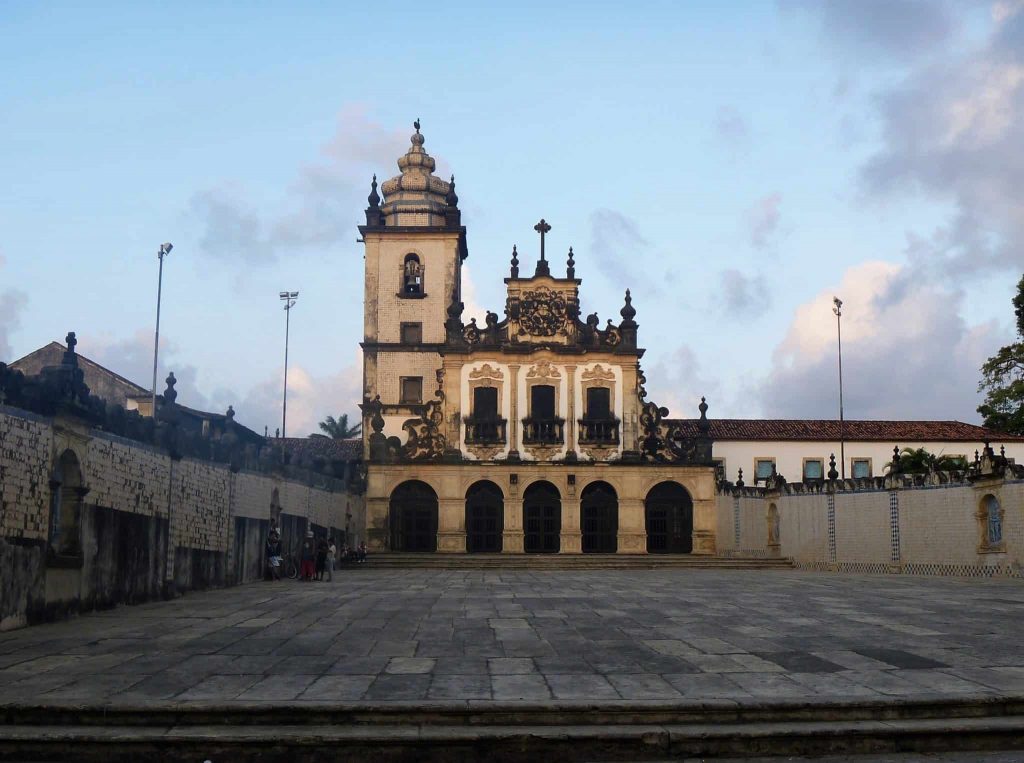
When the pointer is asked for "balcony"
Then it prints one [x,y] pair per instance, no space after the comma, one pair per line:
[603,431]
[543,431]
[485,431]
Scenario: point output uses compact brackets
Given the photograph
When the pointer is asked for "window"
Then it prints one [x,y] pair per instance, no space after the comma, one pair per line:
[720,472]
[599,403]
[412,389]
[412,333]
[412,276]
[860,468]
[542,402]
[485,403]
[763,468]
[814,469]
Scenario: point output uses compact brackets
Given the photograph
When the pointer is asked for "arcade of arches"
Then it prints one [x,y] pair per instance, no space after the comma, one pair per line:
[506,513]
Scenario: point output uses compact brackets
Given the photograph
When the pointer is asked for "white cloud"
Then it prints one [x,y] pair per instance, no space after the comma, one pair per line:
[907,352]
[763,220]
[743,295]
[309,214]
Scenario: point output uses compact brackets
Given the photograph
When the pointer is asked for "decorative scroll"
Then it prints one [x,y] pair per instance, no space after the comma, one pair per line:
[542,312]
[666,442]
[425,438]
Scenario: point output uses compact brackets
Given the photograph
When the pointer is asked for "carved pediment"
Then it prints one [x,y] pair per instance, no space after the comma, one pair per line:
[598,373]
[544,370]
[487,371]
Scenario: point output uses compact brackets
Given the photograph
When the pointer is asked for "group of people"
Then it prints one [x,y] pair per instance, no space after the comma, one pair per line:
[317,557]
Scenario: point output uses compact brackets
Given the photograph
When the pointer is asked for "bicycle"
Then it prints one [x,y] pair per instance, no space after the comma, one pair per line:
[290,566]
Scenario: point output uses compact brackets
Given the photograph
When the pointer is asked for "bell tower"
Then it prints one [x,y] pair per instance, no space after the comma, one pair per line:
[414,247]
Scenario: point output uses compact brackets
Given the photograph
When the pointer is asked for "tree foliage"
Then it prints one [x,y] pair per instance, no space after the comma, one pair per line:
[338,428]
[920,461]
[1002,379]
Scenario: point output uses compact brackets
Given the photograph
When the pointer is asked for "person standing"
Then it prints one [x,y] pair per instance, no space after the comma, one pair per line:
[362,551]
[274,555]
[332,553]
[307,556]
[321,558]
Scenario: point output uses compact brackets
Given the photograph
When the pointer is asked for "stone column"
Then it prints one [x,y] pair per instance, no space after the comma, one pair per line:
[704,527]
[632,529]
[451,526]
[513,415]
[512,532]
[572,537]
[570,419]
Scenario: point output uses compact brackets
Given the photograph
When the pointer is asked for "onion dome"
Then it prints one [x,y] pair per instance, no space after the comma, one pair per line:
[416,197]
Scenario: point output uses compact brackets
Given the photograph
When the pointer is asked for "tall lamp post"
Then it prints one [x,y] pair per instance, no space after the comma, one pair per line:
[289,298]
[838,310]
[165,249]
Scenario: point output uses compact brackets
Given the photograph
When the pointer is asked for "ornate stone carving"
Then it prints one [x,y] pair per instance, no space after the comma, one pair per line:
[544,370]
[425,438]
[666,442]
[542,312]
[487,371]
[598,373]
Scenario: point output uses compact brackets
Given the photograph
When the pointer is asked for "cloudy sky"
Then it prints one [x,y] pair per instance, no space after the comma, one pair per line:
[734,164]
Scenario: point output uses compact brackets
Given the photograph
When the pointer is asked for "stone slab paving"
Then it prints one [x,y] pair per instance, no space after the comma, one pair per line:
[437,635]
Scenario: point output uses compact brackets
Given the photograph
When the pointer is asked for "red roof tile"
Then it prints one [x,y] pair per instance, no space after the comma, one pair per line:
[865,431]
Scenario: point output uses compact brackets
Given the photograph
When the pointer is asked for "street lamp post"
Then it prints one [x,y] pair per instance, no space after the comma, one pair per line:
[838,310]
[165,249]
[289,298]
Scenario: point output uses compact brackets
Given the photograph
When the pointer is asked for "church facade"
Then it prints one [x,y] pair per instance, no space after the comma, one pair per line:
[531,433]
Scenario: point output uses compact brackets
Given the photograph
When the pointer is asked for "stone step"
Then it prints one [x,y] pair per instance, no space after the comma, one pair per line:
[323,743]
[566,561]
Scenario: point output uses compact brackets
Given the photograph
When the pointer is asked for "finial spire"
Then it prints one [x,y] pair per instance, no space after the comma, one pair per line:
[416,124]
[452,199]
[373,198]
[570,269]
[515,262]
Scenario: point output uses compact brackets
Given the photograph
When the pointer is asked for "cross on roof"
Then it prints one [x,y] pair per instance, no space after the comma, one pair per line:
[542,227]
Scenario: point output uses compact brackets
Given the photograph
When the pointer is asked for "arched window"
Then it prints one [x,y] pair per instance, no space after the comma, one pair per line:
[412,275]
[66,499]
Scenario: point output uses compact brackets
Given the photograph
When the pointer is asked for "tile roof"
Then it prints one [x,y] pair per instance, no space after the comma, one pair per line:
[862,430]
[323,447]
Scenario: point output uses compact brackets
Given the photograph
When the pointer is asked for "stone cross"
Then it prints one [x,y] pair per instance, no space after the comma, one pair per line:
[71,341]
[542,227]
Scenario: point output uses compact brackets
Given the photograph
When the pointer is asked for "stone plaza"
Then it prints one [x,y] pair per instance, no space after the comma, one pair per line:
[401,635]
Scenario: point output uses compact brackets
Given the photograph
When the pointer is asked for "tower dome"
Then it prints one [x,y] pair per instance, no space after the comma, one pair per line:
[416,197]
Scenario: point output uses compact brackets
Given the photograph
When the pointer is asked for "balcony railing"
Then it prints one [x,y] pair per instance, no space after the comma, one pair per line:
[543,431]
[484,431]
[599,431]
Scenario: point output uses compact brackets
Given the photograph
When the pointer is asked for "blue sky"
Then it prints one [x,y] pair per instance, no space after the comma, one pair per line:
[735,164]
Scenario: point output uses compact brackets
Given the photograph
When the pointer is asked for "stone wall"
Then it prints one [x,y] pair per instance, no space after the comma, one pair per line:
[148,525]
[882,526]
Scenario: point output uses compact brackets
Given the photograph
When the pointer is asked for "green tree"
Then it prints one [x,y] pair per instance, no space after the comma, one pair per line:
[338,428]
[1002,379]
[920,461]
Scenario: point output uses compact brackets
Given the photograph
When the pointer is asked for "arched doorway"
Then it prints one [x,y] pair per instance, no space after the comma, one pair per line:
[485,517]
[668,515]
[542,519]
[67,494]
[599,518]
[413,517]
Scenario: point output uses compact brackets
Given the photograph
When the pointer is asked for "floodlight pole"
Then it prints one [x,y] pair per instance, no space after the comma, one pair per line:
[165,249]
[289,298]
[838,310]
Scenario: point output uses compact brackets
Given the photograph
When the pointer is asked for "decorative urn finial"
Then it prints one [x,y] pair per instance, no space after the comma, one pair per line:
[373,198]
[452,199]
[832,473]
[515,262]
[739,478]
[170,394]
[570,269]
[628,312]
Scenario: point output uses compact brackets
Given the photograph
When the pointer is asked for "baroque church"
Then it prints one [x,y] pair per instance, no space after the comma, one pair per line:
[531,433]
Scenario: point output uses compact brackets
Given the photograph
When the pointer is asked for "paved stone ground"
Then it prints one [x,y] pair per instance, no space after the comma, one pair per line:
[386,635]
